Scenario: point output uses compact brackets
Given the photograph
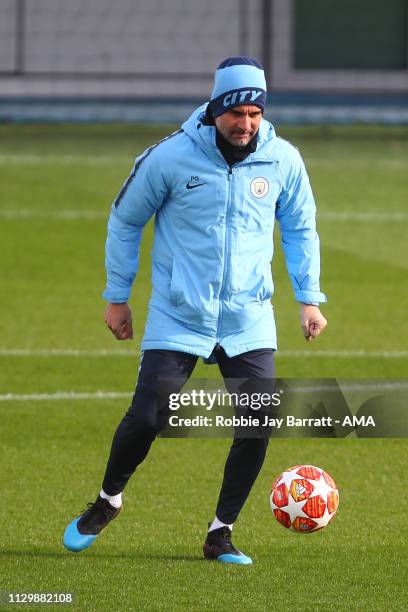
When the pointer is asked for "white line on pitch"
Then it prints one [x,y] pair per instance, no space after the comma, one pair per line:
[345,353]
[69,352]
[104,395]
[64,395]
[69,215]
[376,217]
[61,160]
[357,386]
[98,160]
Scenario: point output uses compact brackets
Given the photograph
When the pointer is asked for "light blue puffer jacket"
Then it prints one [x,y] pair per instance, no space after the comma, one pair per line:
[213,245]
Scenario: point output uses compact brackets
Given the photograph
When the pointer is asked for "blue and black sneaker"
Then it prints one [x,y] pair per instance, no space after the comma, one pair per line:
[218,546]
[83,530]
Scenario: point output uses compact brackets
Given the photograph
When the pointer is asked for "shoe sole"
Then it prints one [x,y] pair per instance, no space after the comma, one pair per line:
[238,559]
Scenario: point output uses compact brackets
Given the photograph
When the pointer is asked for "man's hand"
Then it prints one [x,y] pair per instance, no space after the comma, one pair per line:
[312,321]
[118,317]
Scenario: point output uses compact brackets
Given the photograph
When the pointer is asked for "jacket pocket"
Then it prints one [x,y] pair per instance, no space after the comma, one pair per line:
[176,285]
[190,293]
[254,283]
[262,285]
[266,290]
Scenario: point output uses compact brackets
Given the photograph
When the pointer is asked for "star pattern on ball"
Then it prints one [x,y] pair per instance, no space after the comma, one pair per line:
[304,498]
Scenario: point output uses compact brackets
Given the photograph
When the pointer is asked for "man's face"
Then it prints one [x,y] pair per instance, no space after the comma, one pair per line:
[239,124]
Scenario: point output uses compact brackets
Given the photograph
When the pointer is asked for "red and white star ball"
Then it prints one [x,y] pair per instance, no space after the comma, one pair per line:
[304,498]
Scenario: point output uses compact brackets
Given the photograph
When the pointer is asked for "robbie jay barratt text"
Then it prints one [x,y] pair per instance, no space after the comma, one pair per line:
[250,421]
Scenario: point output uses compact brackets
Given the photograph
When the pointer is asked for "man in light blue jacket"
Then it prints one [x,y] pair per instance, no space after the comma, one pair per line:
[215,188]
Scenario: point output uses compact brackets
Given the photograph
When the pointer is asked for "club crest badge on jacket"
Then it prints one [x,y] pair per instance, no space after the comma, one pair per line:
[259,187]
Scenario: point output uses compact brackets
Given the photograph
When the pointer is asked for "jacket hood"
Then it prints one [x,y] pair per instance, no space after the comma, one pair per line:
[204,136]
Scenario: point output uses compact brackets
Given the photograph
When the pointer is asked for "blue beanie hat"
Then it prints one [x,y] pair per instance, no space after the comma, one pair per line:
[238,80]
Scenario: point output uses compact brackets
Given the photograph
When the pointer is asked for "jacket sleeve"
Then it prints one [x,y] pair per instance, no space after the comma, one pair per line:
[296,214]
[141,196]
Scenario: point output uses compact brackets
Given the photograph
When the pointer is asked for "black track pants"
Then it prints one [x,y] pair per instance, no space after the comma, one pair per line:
[149,412]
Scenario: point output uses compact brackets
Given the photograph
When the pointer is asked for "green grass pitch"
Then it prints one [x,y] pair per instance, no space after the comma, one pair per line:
[56,187]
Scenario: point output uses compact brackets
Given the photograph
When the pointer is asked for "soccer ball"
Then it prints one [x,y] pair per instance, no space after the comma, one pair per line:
[304,498]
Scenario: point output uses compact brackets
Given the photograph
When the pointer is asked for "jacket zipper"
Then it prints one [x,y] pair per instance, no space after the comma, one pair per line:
[226,253]
[227,245]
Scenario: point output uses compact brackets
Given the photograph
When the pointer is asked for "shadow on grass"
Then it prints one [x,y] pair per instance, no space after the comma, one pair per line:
[65,554]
